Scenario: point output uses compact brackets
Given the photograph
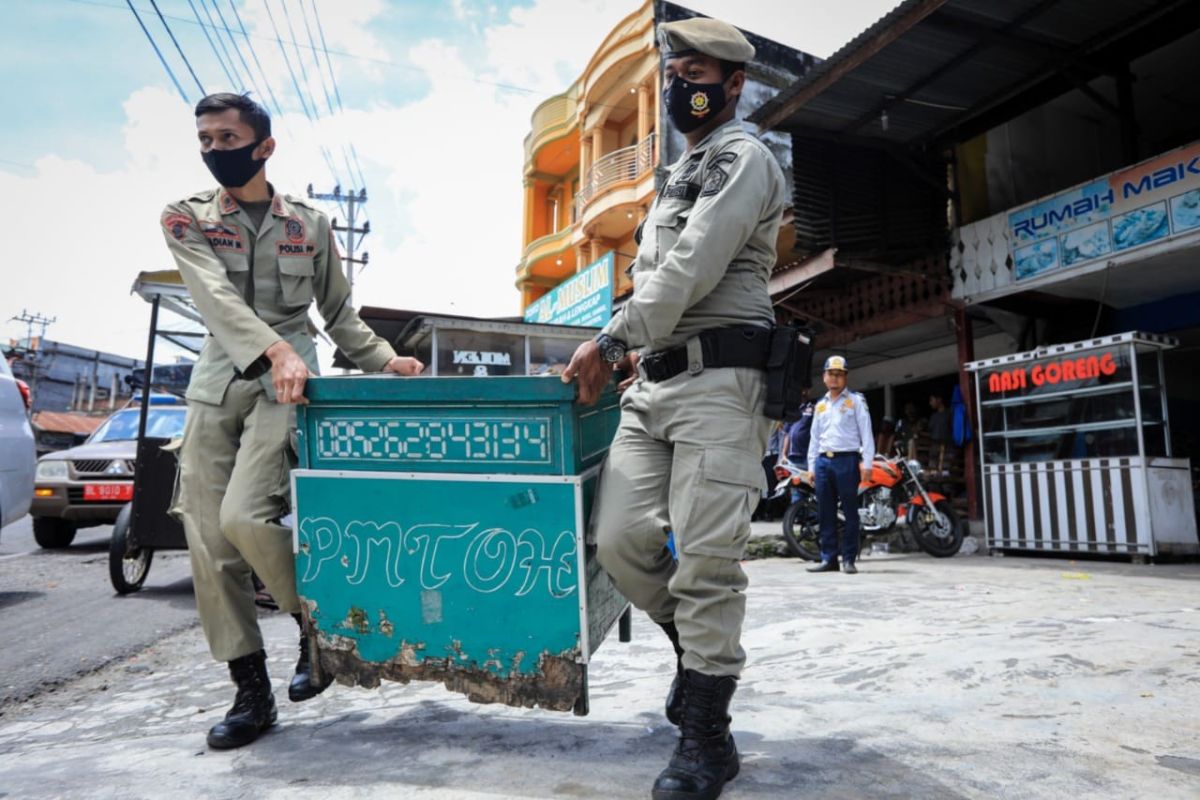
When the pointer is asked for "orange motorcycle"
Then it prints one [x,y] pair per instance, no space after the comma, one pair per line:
[894,495]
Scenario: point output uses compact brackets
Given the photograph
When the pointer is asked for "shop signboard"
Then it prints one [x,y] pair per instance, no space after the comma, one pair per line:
[1057,373]
[584,300]
[1148,202]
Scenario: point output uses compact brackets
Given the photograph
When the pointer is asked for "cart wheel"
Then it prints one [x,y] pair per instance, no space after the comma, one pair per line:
[126,569]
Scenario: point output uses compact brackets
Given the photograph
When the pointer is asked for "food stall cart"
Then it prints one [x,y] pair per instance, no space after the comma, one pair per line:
[439,528]
[1075,450]
[143,526]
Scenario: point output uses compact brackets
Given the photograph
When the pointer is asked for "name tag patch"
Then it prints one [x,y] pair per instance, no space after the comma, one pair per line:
[295,249]
[223,237]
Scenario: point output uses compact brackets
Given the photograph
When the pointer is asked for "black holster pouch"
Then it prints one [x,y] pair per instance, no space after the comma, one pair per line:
[789,362]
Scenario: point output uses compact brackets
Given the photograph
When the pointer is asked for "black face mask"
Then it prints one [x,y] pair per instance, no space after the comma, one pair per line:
[233,169]
[690,105]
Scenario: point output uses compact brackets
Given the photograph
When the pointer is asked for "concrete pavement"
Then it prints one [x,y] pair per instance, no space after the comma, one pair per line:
[971,677]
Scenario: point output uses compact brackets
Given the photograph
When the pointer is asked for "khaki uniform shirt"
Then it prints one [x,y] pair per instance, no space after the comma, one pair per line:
[708,244]
[254,288]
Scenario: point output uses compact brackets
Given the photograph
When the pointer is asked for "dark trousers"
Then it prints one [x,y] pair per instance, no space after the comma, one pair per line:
[837,479]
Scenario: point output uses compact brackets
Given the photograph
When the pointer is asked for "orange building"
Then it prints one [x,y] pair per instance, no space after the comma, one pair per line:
[589,162]
[592,152]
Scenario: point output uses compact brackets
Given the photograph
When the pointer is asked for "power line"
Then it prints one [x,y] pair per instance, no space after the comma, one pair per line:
[157,52]
[316,55]
[237,50]
[321,79]
[357,56]
[233,83]
[332,77]
[300,93]
[237,82]
[179,49]
[253,52]
[287,16]
[287,61]
[333,80]
[354,153]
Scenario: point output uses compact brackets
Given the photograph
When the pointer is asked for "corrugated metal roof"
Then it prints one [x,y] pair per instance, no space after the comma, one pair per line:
[948,60]
[67,422]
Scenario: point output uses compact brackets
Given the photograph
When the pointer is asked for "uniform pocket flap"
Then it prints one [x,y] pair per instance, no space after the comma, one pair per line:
[730,465]
[301,267]
[670,212]
[235,262]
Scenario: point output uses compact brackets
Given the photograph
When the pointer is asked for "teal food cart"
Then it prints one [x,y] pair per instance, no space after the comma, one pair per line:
[440,534]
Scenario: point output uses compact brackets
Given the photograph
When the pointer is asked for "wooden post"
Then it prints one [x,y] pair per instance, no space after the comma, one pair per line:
[966,353]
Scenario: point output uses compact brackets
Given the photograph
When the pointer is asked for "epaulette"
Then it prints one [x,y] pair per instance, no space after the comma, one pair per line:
[204,195]
[301,201]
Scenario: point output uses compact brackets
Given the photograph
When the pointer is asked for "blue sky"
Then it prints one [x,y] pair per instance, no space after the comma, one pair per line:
[67,99]
[437,99]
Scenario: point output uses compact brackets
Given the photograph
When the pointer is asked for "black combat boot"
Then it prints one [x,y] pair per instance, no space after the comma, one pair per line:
[304,686]
[253,709]
[675,693]
[706,756]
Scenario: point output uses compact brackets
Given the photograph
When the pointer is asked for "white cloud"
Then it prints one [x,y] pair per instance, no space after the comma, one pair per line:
[86,234]
[445,171]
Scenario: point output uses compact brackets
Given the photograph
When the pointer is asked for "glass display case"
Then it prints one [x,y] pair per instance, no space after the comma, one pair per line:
[1075,449]
[455,346]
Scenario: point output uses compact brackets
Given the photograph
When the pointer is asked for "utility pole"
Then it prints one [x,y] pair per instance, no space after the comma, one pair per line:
[31,320]
[353,201]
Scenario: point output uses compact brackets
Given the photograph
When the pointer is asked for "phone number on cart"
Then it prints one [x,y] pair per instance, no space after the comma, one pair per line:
[524,441]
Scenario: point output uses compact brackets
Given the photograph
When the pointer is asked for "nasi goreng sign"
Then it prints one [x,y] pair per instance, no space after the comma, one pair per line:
[1148,202]
[584,300]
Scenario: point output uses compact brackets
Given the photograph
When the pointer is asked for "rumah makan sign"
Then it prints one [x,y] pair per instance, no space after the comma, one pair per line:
[584,300]
[1148,202]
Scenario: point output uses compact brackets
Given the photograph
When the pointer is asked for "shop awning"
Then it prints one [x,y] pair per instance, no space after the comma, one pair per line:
[937,71]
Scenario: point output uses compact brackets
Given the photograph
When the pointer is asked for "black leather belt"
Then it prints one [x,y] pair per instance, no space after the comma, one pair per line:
[831,454]
[722,347]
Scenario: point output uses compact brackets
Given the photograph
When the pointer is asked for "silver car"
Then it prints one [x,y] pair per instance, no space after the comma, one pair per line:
[17,457]
[89,484]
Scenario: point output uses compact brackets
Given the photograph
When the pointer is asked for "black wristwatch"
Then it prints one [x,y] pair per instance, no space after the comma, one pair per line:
[611,350]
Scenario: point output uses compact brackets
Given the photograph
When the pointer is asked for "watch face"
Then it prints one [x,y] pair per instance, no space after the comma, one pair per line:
[612,351]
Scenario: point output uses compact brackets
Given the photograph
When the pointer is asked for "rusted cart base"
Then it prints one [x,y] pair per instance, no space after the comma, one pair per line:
[558,684]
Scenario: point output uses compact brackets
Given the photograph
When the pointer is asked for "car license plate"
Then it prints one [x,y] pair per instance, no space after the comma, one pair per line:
[108,491]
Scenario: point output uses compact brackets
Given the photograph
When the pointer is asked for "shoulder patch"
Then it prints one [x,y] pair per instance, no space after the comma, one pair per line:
[176,224]
[849,402]
[822,407]
[717,175]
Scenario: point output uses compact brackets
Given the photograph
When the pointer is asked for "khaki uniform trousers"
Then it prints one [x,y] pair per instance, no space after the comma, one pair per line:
[687,453]
[233,487]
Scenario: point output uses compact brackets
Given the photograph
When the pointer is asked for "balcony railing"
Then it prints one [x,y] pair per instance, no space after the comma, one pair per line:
[619,166]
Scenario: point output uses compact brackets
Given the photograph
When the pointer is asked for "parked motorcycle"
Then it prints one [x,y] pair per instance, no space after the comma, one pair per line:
[894,495]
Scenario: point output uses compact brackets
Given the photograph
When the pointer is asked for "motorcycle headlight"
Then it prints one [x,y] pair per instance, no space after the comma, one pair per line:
[53,469]
[914,466]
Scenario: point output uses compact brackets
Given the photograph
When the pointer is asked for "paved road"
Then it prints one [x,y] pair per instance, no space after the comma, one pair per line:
[60,618]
